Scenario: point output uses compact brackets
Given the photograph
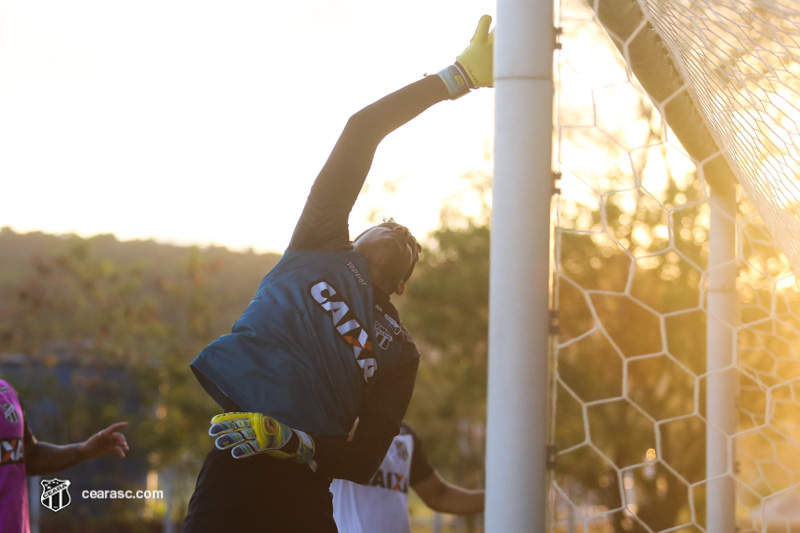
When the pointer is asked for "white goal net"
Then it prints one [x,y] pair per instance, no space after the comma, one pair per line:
[677,357]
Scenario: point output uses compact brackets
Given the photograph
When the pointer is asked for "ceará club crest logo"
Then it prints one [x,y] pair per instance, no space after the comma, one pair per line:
[55,494]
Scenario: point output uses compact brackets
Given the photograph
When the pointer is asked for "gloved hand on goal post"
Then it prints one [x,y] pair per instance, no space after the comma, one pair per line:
[247,434]
[474,66]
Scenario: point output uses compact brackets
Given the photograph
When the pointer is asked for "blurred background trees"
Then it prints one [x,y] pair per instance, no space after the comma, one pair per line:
[94,331]
[447,311]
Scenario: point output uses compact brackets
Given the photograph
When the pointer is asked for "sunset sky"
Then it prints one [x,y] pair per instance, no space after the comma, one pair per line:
[206,122]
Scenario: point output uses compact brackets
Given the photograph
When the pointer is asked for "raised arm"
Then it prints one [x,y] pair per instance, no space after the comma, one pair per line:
[324,218]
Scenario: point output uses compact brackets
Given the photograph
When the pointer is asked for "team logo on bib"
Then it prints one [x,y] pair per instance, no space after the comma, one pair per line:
[55,494]
[10,412]
[382,336]
[392,322]
[346,324]
[12,451]
[402,449]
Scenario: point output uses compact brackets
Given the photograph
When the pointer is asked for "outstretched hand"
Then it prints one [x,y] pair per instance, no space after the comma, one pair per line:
[474,67]
[477,59]
[104,442]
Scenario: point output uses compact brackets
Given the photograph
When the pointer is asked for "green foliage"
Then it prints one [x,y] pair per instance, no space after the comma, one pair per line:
[447,311]
[136,314]
[612,295]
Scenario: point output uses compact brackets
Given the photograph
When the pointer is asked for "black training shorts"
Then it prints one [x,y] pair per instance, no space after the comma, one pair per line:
[259,493]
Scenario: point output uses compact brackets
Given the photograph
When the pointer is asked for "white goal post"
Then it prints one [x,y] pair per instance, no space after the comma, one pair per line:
[516,464]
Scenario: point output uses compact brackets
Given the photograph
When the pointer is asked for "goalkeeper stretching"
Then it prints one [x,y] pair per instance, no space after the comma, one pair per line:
[320,344]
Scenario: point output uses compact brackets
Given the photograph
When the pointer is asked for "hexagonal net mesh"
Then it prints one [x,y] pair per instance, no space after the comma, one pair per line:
[659,104]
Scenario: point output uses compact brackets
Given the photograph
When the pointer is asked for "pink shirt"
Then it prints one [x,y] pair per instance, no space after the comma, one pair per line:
[13,483]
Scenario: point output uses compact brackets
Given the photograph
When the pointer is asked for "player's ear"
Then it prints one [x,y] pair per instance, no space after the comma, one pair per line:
[401,288]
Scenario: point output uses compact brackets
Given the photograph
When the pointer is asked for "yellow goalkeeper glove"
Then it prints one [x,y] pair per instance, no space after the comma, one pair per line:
[247,434]
[474,66]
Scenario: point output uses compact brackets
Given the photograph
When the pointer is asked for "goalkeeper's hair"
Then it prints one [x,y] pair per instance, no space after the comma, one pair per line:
[416,249]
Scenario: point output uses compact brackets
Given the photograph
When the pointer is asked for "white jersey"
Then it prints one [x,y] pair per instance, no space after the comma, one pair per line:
[382,504]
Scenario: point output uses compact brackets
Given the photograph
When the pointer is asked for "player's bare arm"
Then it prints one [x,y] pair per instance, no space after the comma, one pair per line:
[45,458]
